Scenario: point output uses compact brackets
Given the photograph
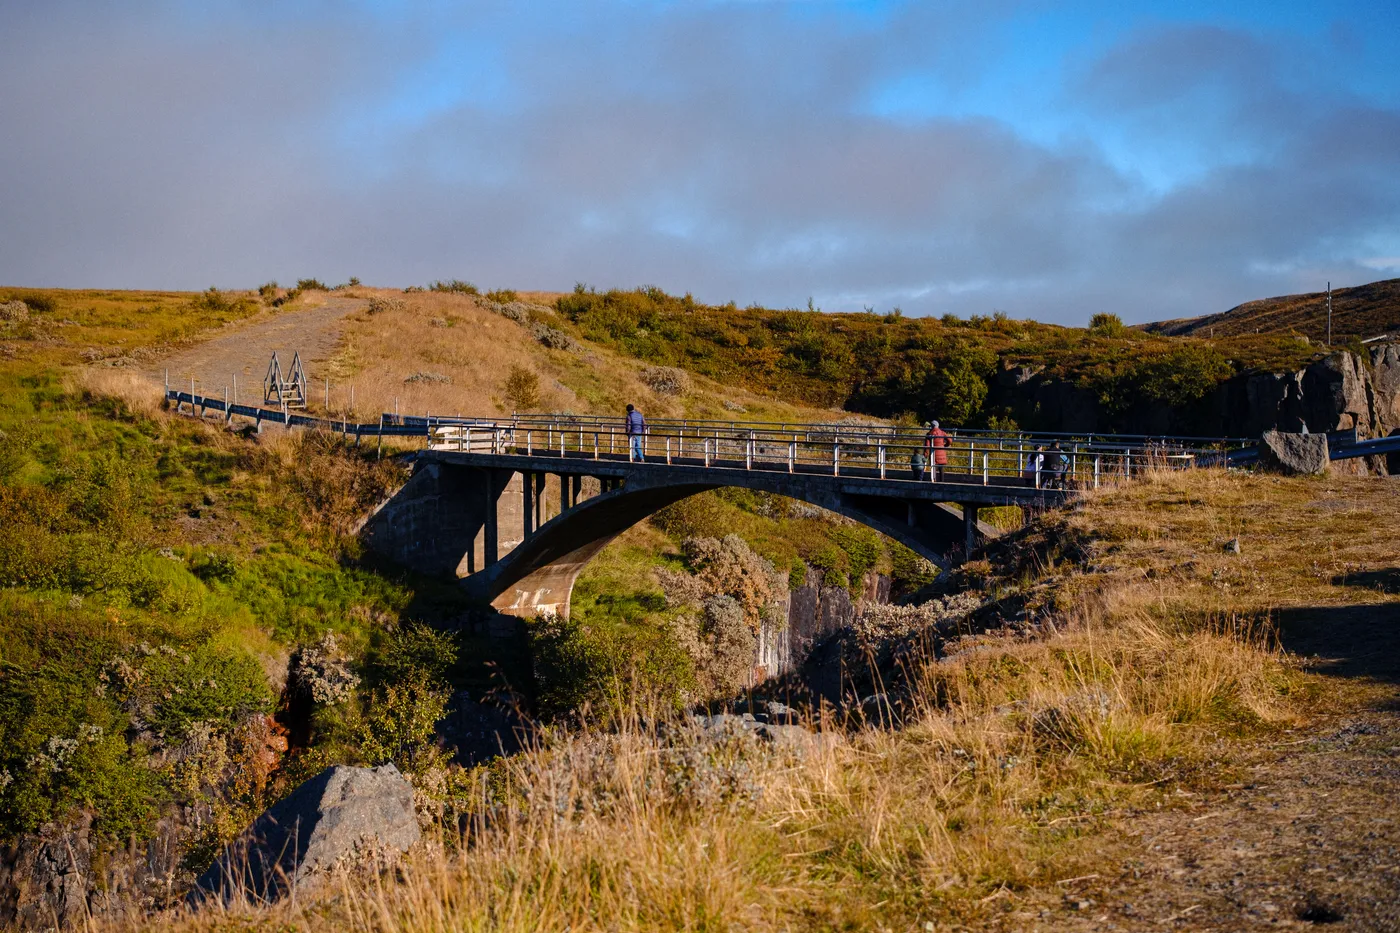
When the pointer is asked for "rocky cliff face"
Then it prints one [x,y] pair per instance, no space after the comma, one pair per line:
[814,611]
[1341,392]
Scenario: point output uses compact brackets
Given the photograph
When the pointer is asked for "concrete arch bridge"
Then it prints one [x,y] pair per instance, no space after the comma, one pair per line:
[517,508]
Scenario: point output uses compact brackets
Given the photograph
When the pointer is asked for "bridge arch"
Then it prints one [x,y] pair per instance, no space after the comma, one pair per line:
[433,523]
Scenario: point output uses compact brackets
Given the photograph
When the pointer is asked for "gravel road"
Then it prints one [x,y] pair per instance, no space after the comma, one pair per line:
[244,349]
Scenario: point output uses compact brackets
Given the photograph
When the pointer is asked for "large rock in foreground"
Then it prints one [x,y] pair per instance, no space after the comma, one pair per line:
[1295,453]
[341,817]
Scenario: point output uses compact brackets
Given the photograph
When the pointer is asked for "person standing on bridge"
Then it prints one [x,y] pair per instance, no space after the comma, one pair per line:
[1034,463]
[936,450]
[636,428]
[1055,467]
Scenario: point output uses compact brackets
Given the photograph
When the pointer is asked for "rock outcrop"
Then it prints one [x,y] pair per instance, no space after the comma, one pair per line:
[1344,391]
[341,817]
[812,612]
[1294,454]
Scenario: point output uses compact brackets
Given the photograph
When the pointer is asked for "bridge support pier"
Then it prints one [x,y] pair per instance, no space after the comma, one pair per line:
[491,543]
[969,510]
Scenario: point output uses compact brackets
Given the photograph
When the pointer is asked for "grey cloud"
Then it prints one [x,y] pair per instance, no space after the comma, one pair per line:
[723,150]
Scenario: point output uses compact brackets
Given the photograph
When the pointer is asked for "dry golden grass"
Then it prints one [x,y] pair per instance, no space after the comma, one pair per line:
[139,391]
[461,338]
[1013,761]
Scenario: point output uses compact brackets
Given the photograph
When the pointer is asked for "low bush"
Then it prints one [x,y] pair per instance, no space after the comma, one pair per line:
[456,287]
[522,389]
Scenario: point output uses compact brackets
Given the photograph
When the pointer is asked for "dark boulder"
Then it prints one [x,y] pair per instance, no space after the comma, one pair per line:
[1294,453]
[342,817]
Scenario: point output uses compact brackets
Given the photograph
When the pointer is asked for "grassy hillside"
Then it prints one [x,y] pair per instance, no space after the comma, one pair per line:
[1357,313]
[452,352]
[893,366]
[188,625]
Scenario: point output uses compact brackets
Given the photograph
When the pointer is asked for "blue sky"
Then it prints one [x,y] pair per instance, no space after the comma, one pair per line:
[1049,160]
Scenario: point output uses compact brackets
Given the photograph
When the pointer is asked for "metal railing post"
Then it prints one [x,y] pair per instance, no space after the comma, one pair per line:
[880,458]
[835,459]
[748,454]
[707,452]
[595,445]
[668,451]
[529,443]
[985,476]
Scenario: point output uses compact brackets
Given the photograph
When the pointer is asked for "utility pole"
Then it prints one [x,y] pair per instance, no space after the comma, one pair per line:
[1329,314]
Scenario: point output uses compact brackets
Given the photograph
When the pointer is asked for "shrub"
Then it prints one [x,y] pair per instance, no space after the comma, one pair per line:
[214,567]
[522,389]
[456,286]
[1107,325]
[666,380]
[321,673]
[398,725]
[607,665]
[37,302]
[216,302]
[412,652]
[311,285]
[729,567]
[503,296]
[379,305]
[428,378]
[168,689]
[732,645]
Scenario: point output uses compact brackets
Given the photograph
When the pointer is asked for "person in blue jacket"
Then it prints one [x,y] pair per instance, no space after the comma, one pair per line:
[636,427]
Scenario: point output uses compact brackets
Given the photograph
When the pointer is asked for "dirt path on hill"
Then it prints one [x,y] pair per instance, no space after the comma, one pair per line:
[245,348]
[1308,836]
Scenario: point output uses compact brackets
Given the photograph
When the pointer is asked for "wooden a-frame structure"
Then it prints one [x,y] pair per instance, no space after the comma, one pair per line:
[287,391]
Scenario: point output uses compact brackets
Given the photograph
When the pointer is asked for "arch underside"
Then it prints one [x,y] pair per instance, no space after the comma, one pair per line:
[539,575]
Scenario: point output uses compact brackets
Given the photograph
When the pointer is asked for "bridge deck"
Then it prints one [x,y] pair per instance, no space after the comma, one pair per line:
[955,487]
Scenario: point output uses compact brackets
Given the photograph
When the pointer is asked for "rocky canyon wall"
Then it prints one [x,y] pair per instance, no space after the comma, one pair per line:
[1340,392]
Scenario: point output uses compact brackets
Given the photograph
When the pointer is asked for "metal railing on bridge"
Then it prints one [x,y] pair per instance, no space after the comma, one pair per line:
[835,448]
[883,451]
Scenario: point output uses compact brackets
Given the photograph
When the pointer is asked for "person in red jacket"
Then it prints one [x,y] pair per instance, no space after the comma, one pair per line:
[936,451]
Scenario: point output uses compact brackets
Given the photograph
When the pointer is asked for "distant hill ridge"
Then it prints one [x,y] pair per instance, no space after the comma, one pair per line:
[1363,311]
